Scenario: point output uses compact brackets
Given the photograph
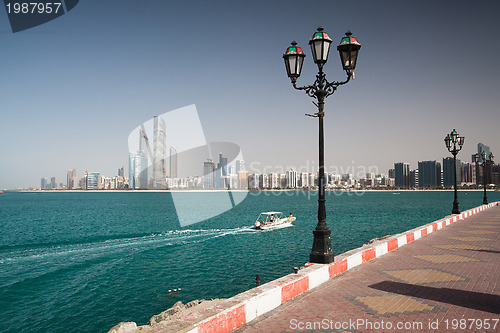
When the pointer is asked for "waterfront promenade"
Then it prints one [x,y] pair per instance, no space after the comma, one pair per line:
[447,281]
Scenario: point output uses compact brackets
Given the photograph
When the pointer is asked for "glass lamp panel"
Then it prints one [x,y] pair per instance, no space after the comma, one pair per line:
[326,49]
[287,65]
[354,58]
[447,141]
[461,140]
[483,155]
[476,158]
[491,157]
[300,60]
[345,59]
[317,46]
[293,65]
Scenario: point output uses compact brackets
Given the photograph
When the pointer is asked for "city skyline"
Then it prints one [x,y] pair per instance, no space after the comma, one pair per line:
[233,175]
[72,91]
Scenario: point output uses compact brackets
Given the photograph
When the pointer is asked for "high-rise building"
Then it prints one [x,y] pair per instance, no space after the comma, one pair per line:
[173,163]
[313,179]
[44,183]
[221,174]
[263,181]
[208,174]
[253,181]
[121,172]
[93,180]
[480,148]
[304,179]
[53,183]
[468,172]
[402,174]
[240,165]
[243,179]
[392,173]
[273,180]
[449,172]
[138,171]
[68,178]
[159,153]
[291,178]
[429,174]
[413,178]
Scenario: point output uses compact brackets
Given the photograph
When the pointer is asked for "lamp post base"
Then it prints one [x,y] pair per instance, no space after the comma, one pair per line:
[456,208]
[485,201]
[322,249]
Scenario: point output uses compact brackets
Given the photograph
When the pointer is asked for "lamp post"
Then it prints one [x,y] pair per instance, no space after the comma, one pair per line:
[454,143]
[484,163]
[294,57]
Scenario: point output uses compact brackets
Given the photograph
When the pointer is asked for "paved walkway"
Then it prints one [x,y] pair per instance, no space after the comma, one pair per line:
[448,281]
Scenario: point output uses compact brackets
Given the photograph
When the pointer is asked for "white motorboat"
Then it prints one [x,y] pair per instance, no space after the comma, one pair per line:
[270,220]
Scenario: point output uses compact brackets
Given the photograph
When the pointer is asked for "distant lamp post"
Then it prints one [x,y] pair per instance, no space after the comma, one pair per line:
[454,144]
[484,163]
[294,57]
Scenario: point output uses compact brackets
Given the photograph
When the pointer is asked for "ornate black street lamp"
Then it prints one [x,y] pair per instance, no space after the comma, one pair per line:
[294,57]
[484,163]
[458,142]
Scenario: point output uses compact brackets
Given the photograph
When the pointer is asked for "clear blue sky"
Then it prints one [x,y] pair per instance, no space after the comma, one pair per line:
[74,88]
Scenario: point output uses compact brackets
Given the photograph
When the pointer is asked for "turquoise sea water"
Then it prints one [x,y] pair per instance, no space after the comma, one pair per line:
[82,262]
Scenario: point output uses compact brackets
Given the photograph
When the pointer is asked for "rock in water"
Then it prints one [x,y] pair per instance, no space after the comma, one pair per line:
[176,308]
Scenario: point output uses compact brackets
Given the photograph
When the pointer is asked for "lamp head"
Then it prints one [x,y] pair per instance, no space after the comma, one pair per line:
[293,57]
[320,46]
[348,50]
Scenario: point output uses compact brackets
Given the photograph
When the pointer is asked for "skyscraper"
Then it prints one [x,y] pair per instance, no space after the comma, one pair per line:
[208,174]
[159,153]
[429,174]
[138,163]
[243,179]
[402,174]
[291,178]
[468,173]
[121,172]
[221,175]
[240,165]
[449,172]
[68,179]
[53,183]
[92,180]
[138,171]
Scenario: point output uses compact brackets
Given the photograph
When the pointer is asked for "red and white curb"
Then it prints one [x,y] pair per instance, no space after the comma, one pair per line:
[245,307]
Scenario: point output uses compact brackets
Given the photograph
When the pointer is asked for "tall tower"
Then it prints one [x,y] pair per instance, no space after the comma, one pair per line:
[138,164]
[159,152]
[402,174]
[208,174]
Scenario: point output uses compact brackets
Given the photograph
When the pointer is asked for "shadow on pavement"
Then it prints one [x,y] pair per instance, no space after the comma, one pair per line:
[469,299]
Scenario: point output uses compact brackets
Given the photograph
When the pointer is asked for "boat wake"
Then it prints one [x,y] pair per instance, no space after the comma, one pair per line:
[107,246]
